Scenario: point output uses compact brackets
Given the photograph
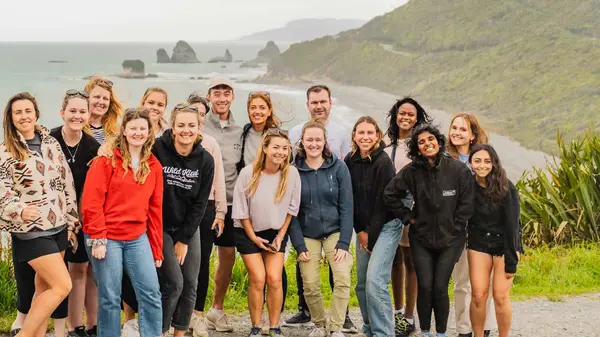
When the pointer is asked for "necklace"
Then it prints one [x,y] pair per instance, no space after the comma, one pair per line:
[74,154]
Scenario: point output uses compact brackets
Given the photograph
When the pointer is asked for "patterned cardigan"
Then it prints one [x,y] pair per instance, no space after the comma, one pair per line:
[44,181]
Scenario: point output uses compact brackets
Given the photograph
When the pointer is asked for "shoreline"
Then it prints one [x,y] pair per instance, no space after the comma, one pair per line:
[516,159]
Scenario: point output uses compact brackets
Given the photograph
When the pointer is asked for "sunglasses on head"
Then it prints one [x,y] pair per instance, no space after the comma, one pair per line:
[109,83]
[256,93]
[186,107]
[277,131]
[73,92]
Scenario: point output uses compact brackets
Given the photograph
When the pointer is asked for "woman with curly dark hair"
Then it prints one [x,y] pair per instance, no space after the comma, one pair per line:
[494,240]
[442,188]
[404,115]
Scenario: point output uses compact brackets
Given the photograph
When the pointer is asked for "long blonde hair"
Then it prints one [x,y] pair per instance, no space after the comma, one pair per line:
[110,119]
[161,122]
[479,134]
[261,159]
[120,142]
[12,140]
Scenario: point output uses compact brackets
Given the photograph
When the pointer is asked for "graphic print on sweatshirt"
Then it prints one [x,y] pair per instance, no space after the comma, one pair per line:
[183,178]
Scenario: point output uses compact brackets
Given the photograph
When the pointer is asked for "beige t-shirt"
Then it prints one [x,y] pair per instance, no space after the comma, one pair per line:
[262,209]
[400,160]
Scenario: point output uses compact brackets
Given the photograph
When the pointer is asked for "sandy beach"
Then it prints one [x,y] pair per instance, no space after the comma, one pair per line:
[515,158]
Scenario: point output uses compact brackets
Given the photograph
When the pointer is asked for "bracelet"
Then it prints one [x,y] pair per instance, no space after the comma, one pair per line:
[96,242]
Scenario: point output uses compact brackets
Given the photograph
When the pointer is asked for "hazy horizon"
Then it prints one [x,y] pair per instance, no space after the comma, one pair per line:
[189,20]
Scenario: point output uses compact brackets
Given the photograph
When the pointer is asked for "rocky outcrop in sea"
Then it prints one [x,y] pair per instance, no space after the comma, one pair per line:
[227,58]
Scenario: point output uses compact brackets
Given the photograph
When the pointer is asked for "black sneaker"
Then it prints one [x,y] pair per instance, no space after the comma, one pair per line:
[301,318]
[349,326]
[78,332]
[93,332]
[254,331]
[401,325]
[14,332]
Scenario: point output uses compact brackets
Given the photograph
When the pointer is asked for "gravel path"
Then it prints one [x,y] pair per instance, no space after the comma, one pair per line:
[573,316]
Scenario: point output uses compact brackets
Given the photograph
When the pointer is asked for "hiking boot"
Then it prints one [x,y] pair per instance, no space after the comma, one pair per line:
[254,331]
[300,319]
[318,332]
[93,332]
[198,326]
[131,329]
[275,332]
[337,334]
[217,320]
[349,326]
[78,332]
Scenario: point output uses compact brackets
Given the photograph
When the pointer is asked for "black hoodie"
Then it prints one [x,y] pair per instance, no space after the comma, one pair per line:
[370,176]
[444,199]
[187,183]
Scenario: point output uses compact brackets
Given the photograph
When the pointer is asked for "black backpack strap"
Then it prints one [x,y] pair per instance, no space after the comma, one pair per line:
[240,165]
[394,148]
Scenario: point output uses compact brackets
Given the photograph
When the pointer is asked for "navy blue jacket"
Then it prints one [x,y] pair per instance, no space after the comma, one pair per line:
[326,204]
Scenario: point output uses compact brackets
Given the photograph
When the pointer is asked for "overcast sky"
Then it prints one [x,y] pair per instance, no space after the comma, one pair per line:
[160,20]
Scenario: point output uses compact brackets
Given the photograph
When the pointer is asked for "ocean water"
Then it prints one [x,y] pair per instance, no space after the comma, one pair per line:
[27,67]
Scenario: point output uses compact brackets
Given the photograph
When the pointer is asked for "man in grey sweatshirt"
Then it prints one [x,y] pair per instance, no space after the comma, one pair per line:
[221,125]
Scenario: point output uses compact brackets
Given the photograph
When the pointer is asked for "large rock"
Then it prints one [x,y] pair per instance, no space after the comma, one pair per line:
[134,67]
[269,52]
[162,56]
[227,58]
[183,53]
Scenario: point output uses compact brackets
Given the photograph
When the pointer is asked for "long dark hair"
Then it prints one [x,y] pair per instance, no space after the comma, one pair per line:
[497,182]
[393,130]
[413,142]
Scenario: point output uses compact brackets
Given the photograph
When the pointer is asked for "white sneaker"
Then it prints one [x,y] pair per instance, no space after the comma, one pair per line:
[198,326]
[318,332]
[337,334]
[131,329]
[217,320]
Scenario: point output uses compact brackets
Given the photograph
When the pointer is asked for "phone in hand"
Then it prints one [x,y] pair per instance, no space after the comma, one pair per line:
[270,247]
[216,231]
[72,246]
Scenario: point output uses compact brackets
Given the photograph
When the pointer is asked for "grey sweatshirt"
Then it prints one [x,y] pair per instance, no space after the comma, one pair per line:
[229,138]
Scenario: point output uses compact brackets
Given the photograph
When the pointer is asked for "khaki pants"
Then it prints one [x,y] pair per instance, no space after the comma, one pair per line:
[311,276]
[462,298]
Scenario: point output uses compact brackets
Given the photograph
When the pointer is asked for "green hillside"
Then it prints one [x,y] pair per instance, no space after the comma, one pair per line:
[530,66]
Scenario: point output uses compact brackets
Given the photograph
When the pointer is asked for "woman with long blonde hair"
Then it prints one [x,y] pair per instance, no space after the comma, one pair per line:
[464,133]
[265,198]
[122,207]
[155,100]
[38,207]
[105,108]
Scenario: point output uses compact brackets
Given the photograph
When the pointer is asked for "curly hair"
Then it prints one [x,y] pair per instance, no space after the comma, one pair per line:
[496,180]
[393,131]
[110,120]
[413,142]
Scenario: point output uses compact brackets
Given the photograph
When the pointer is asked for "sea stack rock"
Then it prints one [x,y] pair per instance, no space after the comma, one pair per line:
[227,58]
[268,53]
[183,53]
[162,56]
[134,67]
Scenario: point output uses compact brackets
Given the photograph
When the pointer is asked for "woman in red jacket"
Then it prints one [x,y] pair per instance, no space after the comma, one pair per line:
[122,211]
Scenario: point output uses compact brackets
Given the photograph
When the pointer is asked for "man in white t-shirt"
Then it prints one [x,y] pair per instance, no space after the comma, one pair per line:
[318,102]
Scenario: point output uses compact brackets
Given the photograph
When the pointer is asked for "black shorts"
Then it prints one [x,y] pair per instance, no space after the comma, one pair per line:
[27,250]
[245,246]
[80,255]
[227,238]
[488,243]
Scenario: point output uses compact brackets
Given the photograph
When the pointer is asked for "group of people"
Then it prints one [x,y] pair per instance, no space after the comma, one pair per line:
[134,203]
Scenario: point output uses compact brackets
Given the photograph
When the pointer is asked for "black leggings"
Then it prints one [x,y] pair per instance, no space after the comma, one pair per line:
[434,267]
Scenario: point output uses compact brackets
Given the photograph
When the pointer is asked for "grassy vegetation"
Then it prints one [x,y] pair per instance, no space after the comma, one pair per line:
[529,66]
[559,204]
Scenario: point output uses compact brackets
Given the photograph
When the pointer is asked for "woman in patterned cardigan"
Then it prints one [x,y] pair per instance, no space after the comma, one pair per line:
[37,206]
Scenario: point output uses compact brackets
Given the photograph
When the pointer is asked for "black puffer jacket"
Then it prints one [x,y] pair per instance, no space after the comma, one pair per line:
[444,199]
[370,176]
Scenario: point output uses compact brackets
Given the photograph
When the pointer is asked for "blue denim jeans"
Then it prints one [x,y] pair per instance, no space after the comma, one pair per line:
[372,290]
[136,257]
